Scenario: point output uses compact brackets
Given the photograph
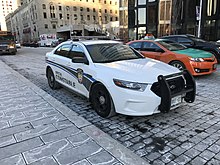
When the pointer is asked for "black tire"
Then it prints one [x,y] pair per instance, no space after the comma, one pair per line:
[102,101]
[51,80]
[179,65]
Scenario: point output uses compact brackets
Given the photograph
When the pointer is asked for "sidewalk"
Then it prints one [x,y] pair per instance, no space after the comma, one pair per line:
[37,129]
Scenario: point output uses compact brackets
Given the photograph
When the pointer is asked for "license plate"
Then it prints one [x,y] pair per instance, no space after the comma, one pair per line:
[176,101]
[214,66]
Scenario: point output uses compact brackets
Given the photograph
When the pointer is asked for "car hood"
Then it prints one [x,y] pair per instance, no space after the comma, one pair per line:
[195,53]
[139,70]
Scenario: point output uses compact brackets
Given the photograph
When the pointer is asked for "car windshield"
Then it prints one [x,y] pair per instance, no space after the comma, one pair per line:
[172,46]
[104,53]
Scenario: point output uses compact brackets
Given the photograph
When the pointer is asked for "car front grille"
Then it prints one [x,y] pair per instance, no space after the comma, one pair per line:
[176,85]
[3,47]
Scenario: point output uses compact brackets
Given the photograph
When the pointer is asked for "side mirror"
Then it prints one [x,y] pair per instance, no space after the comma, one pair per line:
[80,60]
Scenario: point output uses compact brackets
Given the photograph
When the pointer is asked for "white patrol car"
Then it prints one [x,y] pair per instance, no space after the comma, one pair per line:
[117,79]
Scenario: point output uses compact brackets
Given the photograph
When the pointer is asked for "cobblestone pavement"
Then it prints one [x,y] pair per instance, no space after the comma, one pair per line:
[189,134]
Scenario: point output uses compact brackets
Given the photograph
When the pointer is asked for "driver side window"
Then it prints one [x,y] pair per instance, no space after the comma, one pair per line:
[150,46]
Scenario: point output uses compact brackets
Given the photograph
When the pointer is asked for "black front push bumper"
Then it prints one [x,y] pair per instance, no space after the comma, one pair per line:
[180,84]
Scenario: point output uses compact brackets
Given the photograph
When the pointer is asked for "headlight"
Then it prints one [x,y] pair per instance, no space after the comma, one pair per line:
[197,59]
[11,46]
[131,85]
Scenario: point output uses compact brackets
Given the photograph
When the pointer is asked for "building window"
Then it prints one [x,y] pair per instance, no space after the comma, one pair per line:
[93,1]
[105,2]
[110,2]
[74,8]
[116,18]
[141,2]
[88,17]
[94,18]
[116,11]
[100,10]
[68,16]
[45,15]
[60,16]
[54,26]
[75,16]
[81,16]
[111,19]
[94,10]
[46,26]
[106,11]
[43,6]
[142,16]
[81,8]
[88,9]
[60,8]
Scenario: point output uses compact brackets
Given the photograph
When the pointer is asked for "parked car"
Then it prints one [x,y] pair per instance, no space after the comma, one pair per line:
[18,45]
[191,41]
[118,79]
[197,62]
[218,41]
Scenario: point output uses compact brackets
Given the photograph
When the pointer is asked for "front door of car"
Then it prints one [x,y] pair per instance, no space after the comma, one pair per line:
[151,50]
[80,66]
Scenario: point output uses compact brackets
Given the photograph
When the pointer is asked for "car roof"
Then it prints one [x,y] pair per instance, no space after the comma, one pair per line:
[91,42]
[179,35]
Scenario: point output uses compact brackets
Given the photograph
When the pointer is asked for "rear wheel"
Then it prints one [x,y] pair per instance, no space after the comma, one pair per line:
[102,102]
[51,80]
[178,65]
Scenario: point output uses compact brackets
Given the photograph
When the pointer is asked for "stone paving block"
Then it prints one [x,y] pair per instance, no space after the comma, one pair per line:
[198,160]
[3,124]
[15,129]
[48,120]
[20,147]
[102,157]
[177,151]
[60,134]
[6,140]
[37,131]
[182,159]
[45,161]
[214,148]
[207,155]
[13,160]
[63,124]
[26,119]
[168,157]
[213,162]
[78,139]
[47,150]
[79,121]
[82,162]
[81,152]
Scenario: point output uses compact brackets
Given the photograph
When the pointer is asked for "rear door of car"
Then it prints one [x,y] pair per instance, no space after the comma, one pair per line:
[60,61]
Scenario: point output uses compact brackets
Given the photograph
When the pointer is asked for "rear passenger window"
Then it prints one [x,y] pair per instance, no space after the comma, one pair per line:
[63,50]
[184,40]
[136,45]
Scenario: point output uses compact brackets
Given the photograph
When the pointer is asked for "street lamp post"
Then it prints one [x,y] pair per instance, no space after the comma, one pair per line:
[200,19]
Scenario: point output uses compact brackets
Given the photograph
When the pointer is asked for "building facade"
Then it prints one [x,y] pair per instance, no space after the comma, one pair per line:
[6,7]
[64,18]
[165,17]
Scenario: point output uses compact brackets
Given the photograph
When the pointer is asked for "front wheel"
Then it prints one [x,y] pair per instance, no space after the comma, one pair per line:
[51,80]
[179,65]
[102,102]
